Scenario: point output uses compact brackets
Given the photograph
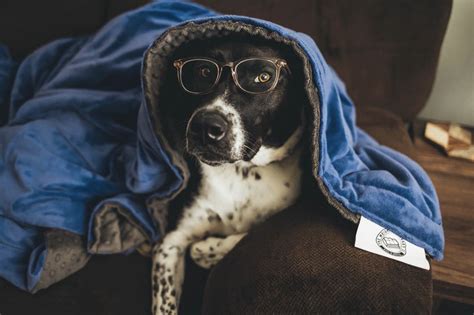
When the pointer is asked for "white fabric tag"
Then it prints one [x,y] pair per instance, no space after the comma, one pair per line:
[375,239]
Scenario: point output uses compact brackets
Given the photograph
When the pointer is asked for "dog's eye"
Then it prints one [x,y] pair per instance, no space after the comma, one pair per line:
[205,72]
[262,77]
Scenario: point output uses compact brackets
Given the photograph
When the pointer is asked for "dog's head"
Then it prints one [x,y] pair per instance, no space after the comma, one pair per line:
[235,100]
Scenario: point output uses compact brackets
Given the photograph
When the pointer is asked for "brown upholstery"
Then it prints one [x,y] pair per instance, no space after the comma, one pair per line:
[303,261]
[385,51]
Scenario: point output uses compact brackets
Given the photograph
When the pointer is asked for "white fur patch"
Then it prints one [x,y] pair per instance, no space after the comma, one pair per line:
[244,200]
[266,155]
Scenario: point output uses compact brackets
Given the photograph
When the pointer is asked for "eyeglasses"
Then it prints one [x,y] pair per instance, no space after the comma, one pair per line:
[252,75]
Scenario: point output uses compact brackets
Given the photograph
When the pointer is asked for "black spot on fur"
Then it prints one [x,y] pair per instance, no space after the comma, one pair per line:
[230,216]
[162,282]
[173,293]
[257,176]
[213,216]
[155,288]
[154,308]
[212,255]
[237,169]
[211,249]
[163,295]
[170,280]
[245,172]
[287,184]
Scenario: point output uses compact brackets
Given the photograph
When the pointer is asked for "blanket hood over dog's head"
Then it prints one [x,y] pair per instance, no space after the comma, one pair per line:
[357,175]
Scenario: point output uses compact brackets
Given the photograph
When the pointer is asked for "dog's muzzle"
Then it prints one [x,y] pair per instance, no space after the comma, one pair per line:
[209,137]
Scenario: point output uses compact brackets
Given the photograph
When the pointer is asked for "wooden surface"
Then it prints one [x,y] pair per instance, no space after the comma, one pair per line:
[453,278]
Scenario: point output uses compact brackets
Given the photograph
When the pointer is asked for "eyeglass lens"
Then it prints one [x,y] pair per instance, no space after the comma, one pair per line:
[199,76]
[256,75]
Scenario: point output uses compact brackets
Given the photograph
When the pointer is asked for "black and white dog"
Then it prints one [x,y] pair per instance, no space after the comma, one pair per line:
[237,114]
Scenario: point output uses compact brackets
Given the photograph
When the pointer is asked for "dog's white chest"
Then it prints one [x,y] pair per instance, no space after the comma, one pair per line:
[244,194]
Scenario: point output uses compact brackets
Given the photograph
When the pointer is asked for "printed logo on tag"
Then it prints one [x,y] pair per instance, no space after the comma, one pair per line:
[391,243]
[375,239]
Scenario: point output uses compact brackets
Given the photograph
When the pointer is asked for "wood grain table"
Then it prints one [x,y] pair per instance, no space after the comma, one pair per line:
[453,278]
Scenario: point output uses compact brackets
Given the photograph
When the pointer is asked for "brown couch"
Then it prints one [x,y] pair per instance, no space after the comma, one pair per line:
[303,259]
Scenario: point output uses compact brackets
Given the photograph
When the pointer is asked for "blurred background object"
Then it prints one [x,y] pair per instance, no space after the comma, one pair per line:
[452,98]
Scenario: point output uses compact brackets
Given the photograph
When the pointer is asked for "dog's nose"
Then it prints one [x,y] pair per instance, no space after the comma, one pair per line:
[211,126]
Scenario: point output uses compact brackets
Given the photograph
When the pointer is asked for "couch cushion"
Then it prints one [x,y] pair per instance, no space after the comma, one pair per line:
[112,284]
[302,261]
[109,284]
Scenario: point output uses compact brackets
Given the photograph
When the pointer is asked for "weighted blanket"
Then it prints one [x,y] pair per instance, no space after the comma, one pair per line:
[84,171]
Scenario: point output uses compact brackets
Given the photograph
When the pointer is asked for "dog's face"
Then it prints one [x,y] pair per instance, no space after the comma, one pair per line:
[227,124]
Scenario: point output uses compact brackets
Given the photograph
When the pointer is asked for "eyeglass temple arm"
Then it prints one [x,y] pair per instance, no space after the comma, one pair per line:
[284,64]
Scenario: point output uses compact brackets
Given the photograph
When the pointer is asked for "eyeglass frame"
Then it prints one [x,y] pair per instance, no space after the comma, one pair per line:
[279,63]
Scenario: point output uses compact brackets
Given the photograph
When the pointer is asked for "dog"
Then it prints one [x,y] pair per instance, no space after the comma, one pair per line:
[235,111]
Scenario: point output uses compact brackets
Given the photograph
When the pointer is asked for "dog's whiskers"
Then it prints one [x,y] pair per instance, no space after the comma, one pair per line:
[248,136]
[249,148]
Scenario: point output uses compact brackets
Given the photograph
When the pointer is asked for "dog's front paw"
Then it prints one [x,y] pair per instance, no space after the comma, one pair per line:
[210,251]
[207,253]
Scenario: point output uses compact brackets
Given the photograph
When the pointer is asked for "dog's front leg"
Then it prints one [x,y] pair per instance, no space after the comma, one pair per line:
[167,273]
[169,256]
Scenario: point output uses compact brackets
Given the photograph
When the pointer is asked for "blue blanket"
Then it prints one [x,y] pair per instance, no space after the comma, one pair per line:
[79,153]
